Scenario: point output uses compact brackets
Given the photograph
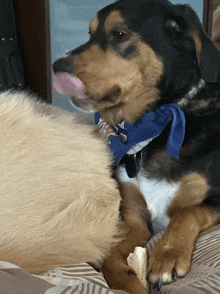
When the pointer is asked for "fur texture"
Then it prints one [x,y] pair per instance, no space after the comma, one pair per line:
[216,26]
[59,204]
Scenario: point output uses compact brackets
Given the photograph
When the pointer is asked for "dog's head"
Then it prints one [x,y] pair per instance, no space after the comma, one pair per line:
[141,54]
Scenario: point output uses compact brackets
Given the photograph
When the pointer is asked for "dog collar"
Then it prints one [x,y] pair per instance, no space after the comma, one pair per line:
[191,93]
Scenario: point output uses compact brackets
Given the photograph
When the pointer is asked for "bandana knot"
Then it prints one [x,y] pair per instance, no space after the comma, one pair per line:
[126,138]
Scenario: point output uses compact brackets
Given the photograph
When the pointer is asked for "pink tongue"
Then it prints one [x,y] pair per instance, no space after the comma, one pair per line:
[65,84]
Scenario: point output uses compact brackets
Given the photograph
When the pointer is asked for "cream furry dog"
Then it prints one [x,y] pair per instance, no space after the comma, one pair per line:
[216,27]
[59,204]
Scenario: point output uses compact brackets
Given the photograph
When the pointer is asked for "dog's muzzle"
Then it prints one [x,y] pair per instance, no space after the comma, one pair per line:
[64,82]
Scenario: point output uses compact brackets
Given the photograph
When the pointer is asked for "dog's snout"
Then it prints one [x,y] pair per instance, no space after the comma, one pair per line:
[63,64]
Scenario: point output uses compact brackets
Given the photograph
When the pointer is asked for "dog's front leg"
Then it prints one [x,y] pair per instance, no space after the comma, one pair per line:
[120,276]
[172,254]
[134,233]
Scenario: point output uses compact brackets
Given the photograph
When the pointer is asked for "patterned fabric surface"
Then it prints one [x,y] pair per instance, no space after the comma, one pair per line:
[67,275]
[76,279]
[204,276]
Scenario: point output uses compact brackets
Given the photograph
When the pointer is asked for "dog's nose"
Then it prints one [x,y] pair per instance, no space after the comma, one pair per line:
[63,64]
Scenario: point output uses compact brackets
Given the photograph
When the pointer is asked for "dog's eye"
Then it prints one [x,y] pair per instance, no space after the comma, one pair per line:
[118,35]
[172,24]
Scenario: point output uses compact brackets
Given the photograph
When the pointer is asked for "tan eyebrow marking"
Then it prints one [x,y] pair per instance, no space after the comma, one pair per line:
[113,19]
[93,24]
[198,44]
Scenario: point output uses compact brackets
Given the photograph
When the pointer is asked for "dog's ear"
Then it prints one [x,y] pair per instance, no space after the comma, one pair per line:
[208,55]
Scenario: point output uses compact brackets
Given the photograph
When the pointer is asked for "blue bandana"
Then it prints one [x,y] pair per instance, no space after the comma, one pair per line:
[131,138]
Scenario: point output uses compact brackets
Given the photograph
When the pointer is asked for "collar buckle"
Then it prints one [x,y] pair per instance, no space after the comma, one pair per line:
[194,90]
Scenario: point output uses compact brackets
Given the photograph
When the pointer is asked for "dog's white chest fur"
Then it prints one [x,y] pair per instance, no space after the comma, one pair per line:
[158,196]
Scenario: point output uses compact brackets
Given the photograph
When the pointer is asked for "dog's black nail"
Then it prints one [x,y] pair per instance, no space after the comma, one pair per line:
[131,272]
[159,284]
[180,276]
[174,275]
[155,285]
[152,287]
[148,275]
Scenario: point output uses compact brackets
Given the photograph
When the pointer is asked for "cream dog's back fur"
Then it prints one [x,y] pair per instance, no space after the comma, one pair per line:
[58,202]
[216,27]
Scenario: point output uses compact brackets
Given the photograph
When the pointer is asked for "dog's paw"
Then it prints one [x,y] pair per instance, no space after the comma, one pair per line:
[166,264]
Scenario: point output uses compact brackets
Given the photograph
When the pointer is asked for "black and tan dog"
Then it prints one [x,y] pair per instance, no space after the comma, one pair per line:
[141,55]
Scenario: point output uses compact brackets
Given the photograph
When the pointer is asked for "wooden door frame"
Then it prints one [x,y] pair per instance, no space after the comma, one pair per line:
[33,28]
[208,16]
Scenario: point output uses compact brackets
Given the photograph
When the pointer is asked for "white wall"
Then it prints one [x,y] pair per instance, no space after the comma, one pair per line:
[197,5]
[69,29]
